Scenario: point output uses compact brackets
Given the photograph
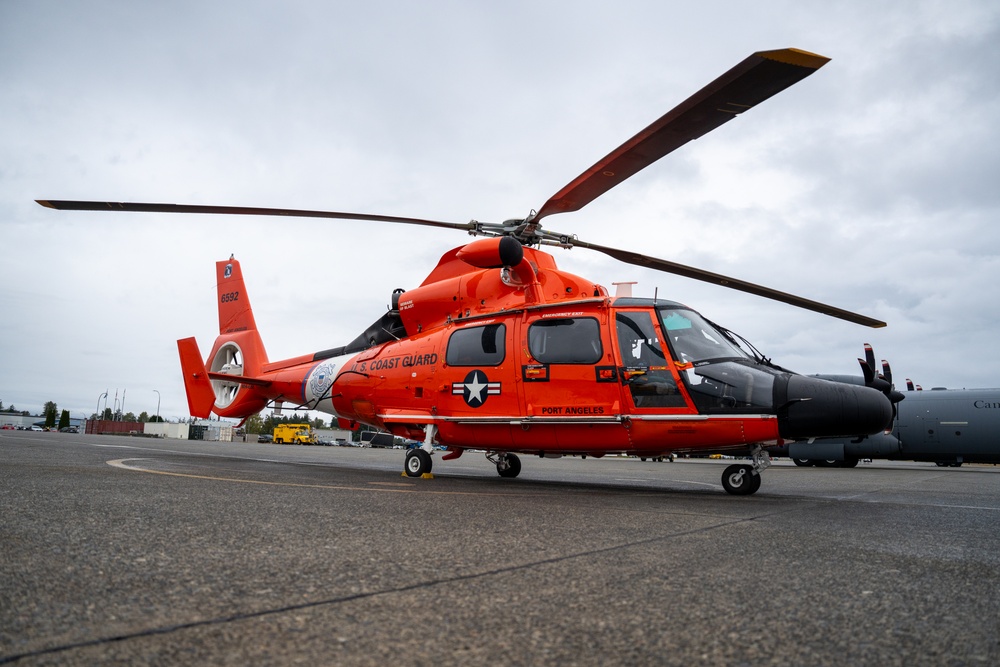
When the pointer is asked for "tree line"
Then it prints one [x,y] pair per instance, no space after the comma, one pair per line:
[53,418]
[13,411]
[254,424]
[258,424]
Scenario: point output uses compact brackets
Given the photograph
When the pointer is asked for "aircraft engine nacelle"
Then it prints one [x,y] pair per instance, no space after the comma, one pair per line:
[810,407]
[494,253]
[878,446]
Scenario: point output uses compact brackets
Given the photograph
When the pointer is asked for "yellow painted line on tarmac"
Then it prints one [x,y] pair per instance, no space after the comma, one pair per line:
[375,486]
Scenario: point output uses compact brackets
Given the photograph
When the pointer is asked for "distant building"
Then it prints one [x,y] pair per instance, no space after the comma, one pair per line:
[17,420]
[167,430]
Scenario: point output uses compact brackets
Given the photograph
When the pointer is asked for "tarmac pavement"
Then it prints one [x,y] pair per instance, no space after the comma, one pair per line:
[125,550]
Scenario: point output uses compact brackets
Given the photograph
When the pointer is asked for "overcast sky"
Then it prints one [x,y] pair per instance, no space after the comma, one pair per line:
[871,185]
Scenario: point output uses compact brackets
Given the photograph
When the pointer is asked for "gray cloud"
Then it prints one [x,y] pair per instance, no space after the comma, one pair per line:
[869,185]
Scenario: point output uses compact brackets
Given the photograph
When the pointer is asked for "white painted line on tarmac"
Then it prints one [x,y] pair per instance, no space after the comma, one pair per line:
[414,488]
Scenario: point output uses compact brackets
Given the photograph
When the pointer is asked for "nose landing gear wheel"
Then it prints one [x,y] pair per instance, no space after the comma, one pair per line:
[418,463]
[508,465]
[740,480]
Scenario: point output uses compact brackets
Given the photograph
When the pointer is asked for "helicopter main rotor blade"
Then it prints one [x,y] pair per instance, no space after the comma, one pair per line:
[746,85]
[630,257]
[67,205]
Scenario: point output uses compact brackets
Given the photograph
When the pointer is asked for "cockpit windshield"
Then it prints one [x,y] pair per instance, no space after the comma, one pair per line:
[692,338]
[720,375]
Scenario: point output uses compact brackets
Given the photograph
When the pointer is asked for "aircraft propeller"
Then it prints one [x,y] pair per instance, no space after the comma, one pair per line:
[880,381]
[752,81]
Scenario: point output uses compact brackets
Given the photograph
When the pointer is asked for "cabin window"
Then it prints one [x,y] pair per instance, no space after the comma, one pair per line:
[477,346]
[566,341]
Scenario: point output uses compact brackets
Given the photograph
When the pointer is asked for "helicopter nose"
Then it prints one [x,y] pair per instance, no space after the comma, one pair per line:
[815,408]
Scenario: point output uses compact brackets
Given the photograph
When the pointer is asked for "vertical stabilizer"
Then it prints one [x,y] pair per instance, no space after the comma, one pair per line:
[227,383]
[235,313]
[200,394]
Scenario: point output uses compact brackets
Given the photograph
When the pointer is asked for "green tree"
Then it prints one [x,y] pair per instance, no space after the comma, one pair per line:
[254,424]
[129,417]
[64,419]
[50,412]
[144,416]
[272,420]
[107,415]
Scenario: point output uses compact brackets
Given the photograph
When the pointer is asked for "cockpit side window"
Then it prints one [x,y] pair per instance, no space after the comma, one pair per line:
[645,369]
[638,341]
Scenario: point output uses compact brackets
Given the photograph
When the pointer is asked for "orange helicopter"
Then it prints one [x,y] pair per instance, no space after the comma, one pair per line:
[500,350]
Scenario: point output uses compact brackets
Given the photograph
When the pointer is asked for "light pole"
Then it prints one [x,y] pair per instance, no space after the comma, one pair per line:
[157,406]
[97,415]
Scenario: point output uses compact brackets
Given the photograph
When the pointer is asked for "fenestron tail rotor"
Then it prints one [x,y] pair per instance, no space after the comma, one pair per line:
[755,79]
[228,362]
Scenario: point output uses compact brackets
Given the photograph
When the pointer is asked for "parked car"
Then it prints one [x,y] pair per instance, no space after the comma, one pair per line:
[265,437]
[69,429]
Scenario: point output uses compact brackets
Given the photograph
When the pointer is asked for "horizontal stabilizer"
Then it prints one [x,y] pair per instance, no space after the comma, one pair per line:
[239,379]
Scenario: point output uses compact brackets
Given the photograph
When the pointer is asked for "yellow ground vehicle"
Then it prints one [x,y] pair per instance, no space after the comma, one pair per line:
[298,434]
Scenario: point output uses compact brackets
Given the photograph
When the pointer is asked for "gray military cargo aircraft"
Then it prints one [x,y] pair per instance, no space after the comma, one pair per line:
[948,427]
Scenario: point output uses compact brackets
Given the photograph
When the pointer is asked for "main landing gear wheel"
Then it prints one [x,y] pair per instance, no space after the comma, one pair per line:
[508,465]
[740,480]
[418,463]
